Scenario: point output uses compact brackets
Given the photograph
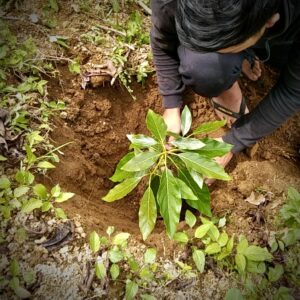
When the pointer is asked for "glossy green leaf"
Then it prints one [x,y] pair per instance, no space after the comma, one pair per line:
[156,125]
[141,140]
[229,246]
[190,218]
[150,256]
[122,189]
[131,290]
[214,233]
[31,205]
[100,270]
[188,143]
[204,166]
[213,248]
[21,191]
[214,148]
[169,200]
[46,206]
[24,177]
[120,174]
[55,191]
[114,271]
[256,253]
[199,259]
[64,197]
[94,242]
[120,238]
[209,127]
[186,192]
[240,261]
[141,161]
[223,239]
[147,213]
[186,121]
[197,178]
[181,237]
[202,230]
[40,191]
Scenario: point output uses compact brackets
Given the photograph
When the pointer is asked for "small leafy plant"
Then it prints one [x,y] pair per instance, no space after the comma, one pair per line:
[172,171]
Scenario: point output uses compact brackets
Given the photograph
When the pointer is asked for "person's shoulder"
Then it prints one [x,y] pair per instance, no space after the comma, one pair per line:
[164,3]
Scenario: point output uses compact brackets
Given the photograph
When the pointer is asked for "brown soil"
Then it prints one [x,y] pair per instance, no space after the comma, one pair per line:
[97,122]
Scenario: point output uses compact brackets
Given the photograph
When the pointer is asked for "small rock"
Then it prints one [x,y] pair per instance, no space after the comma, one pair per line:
[64,250]
[77,224]
[63,115]
[79,230]
[83,235]
[41,240]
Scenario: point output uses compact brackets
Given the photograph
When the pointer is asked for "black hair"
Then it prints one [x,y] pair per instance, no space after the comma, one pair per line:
[211,25]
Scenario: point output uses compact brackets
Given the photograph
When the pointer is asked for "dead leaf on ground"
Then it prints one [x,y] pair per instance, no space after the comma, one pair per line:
[256,199]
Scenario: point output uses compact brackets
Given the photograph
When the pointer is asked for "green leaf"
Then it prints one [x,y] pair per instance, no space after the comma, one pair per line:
[31,158]
[213,248]
[203,195]
[120,238]
[74,67]
[240,261]
[283,293]
[169,200]
[114,271]
[186,192]
[256,253]
[150,256]
[55,191]
[115,255]
[59,213]
[234,294]
[141,162]
[188,144]
[186,121]
[134,266]
[14,268]
[2,158]
[141,140]
[214,148]
[242,245]
[120,174]
[110,230]
[181,237]
[54,5]
[21,191]
[131,290]
[275,273]
[204,166]
[197,178]
[202,230]
[293,194]
[147,213]
[100,270]
[46,206]
[64,197]
[214,233]
[229,246]
[31,205]
[45,165]
[94,242]
[40,191]
[5,211]
[223,239]
[4,183]
[24,177]
[199,259]
[156,125]
[255,267]
[147,297]
[190,218]
[209,127]
[115,6]
[122,189]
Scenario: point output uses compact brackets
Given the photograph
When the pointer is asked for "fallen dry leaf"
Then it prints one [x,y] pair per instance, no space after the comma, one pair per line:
[256,200]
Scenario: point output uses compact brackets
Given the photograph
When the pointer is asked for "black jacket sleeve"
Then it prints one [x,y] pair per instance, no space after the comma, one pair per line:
[164,43]
[280,104]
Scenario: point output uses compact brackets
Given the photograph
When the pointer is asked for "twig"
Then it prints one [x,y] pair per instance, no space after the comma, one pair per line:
[120,68]
[111,29]
[144,7]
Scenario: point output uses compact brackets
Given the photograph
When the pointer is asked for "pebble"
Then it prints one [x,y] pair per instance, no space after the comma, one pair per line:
[83,235]
[41,240]
[79,230]
[64,250]
[77,224]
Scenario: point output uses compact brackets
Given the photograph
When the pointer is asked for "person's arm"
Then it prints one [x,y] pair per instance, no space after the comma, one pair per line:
[280,104]
[164,44]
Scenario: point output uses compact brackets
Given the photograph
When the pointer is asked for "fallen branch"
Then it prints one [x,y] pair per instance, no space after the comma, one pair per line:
[111,29]
[144,7]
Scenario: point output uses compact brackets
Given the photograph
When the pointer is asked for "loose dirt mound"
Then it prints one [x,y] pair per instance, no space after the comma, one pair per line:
[98,121]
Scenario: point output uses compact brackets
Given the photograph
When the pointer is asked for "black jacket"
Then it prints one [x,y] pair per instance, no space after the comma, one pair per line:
[164,43]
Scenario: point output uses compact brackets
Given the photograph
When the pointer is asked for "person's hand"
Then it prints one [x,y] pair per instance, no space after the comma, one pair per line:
[252,72]
[173,119]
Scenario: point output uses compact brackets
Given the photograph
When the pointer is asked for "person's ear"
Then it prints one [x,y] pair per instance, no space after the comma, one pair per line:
[273,20]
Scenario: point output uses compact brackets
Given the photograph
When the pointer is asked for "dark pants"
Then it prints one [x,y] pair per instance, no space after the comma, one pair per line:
[209,74]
